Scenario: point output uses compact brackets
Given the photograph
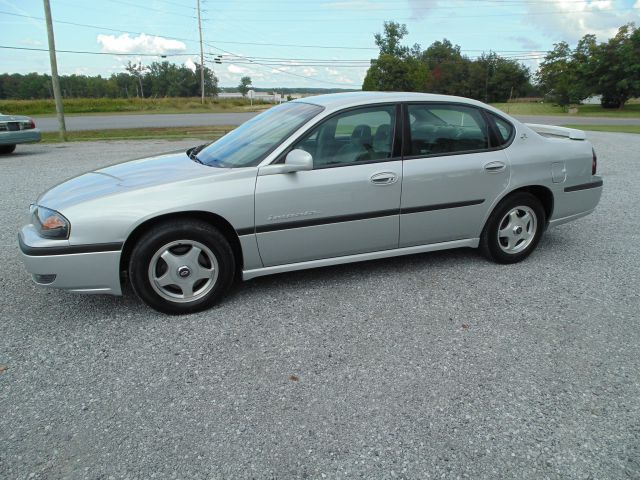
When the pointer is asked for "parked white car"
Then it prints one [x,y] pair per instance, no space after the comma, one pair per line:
[314,182]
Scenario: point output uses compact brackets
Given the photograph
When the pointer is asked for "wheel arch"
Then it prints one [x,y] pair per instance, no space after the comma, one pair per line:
[542,193]
[213,219]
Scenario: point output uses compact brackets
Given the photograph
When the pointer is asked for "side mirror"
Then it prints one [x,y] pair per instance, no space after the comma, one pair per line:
[296,161]
[299,160]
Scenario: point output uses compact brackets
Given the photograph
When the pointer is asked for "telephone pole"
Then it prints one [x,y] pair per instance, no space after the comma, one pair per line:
[201,56]
[54,73]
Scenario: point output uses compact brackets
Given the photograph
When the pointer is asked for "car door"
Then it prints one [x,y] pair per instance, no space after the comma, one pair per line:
[454,168]
[348,204]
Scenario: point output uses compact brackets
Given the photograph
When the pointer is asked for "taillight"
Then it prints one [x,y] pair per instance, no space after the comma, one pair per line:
[33,124]
[594,162]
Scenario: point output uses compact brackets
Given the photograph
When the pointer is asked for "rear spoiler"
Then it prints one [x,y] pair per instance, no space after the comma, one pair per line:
[554,131]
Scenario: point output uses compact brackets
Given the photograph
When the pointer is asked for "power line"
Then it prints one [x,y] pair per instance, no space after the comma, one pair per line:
[280,70]
[10,47]
[343,19]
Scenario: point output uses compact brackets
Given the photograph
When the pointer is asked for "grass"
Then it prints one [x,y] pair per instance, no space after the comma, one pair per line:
[608,128]
[630,110]
[130,105]
[170,133]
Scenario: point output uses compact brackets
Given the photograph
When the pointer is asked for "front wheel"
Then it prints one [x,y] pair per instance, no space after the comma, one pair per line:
[513,229]
[181,267]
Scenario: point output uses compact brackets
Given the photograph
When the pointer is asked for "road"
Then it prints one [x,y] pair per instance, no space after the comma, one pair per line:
[104,122]
[438,365]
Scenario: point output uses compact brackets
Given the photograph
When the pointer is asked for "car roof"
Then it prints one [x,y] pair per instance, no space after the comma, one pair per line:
[335,101]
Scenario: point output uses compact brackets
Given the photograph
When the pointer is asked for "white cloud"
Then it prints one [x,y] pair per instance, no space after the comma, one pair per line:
[140,44]
[309,71]
[237,70]
[570,20]
[332,71]
[352,4]
[527,43]
[35,43]
[422,8]
[190,64]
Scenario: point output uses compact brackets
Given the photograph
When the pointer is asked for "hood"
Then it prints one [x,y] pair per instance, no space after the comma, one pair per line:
[136,174]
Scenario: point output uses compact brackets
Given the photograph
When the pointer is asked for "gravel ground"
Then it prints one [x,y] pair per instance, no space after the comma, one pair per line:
[431,366]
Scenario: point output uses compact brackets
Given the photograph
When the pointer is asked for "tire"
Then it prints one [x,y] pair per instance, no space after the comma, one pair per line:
[514,229]
[7,148]
[181,267]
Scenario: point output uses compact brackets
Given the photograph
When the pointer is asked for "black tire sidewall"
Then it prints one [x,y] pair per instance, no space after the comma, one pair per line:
[161,235]
[489,240]
[6,149]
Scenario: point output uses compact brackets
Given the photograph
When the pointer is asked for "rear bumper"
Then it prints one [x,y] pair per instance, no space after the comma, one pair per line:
[73,268]
[20,136]
[576,201]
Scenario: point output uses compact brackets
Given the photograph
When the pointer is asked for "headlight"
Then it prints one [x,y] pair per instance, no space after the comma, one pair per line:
[49,223]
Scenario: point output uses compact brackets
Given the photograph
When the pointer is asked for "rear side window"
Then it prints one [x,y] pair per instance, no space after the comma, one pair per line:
[503,128]
[438,129]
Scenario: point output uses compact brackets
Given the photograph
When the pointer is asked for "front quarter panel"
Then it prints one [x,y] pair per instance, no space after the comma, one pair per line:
[113,218]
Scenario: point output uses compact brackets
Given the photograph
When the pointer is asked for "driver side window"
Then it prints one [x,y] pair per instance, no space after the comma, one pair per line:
[359,135]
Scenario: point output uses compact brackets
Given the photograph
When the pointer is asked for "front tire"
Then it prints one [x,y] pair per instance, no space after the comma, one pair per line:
[7,148]
[181,267]
[513,229]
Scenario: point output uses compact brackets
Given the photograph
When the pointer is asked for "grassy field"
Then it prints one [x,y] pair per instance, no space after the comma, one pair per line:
[630,110]
[89,106]
[170,133]
[608,128]
[129,105]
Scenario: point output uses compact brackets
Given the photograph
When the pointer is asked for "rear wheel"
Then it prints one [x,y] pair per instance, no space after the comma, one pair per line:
[7,148]
[181,267]
[513,229]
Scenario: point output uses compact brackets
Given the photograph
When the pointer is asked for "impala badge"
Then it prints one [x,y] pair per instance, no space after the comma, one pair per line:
[286,216]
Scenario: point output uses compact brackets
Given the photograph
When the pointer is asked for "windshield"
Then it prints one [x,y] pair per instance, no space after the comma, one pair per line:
[252,141]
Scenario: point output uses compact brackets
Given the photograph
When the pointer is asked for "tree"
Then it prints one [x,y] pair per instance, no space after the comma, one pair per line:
[390,73]
[449,68]
[616,67]
[245,84]
[559,76]
[496,79]
[389,41]
[137,70]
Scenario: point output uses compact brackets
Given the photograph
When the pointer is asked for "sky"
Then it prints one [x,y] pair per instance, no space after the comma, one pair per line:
[289,43]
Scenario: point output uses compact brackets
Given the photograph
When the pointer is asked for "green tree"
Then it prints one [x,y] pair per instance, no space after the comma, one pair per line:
[390,73]
[559,76]
[449,68]
[245,84]
[615,67]
[389,41]
[493,78]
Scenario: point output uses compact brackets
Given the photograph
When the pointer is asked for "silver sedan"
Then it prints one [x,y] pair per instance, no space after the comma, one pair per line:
[320,181]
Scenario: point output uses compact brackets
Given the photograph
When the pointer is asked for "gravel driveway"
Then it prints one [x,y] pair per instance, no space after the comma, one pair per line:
[438,365]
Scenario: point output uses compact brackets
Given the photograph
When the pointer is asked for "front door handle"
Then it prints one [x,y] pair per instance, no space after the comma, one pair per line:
[384,178]
[494,167]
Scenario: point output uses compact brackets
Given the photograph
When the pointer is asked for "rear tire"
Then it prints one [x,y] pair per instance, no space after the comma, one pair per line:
[7,149]
[181,267]
[514,229]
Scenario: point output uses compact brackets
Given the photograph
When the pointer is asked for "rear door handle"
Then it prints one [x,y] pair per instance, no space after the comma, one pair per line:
[384,178]
[494,167]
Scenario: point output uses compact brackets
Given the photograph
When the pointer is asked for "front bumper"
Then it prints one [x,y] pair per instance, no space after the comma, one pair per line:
[81,269]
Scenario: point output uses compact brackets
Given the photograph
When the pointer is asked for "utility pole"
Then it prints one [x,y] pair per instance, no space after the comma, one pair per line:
[201,56]
[54,73]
